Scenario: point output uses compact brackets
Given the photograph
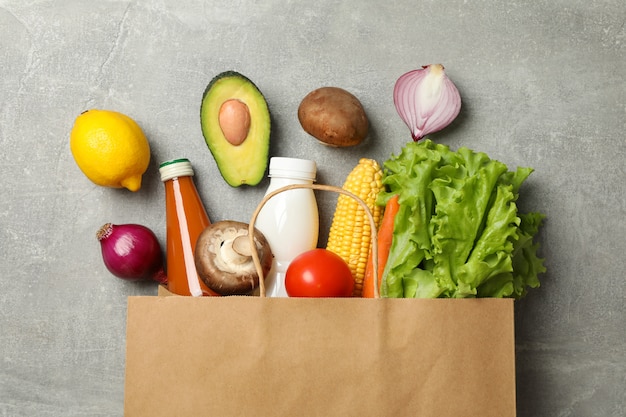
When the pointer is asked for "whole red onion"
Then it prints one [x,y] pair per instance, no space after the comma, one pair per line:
[131,252]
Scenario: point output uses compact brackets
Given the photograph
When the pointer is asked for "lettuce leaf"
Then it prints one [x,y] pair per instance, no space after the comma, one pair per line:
[458,232]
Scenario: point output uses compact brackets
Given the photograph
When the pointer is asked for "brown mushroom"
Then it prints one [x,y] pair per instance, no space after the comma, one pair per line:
[223,258]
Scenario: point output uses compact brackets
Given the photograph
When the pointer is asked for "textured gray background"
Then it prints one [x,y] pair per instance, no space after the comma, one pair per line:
[543,84]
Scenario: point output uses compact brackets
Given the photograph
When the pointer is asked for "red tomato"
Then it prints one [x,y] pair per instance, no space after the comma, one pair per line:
[319,273]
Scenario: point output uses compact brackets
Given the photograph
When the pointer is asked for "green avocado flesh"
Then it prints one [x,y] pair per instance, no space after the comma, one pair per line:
[245,163]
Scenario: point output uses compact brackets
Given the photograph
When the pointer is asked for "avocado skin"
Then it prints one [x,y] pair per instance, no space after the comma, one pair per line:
[244,164]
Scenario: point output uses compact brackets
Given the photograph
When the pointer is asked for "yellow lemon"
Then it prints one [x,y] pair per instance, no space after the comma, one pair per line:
[110,148]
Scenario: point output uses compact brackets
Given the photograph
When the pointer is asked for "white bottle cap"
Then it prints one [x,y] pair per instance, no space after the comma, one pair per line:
[175,168]
[292,168]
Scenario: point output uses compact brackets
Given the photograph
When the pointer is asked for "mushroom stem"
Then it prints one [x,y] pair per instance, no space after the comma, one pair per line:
[231,251]
[241,245]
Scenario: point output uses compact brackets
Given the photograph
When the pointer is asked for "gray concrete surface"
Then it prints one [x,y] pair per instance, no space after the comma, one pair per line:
[543,84]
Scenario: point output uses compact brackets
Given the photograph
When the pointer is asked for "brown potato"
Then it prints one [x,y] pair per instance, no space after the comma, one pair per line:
[333,116]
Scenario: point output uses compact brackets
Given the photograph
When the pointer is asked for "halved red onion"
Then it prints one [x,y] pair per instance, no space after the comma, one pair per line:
[426,100]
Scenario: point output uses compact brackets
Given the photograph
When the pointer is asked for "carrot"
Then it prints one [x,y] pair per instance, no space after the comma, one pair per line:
[385,236]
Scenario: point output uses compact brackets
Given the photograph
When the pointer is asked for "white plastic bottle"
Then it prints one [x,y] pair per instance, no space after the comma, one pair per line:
[289,220]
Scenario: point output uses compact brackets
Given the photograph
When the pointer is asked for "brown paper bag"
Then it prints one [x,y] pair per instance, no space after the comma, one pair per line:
[257,356]
[252,356]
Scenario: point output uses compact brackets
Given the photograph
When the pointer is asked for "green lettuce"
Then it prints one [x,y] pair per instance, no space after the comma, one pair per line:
[458,232]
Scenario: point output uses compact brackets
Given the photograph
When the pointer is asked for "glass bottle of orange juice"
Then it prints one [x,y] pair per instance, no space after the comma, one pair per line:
[186,218]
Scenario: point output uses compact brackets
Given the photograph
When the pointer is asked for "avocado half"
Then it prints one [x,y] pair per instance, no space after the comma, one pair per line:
[245,161]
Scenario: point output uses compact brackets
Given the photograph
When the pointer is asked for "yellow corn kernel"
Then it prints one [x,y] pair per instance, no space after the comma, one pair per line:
[350,232]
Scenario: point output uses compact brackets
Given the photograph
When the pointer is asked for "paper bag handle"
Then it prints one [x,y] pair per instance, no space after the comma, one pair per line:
[373,228]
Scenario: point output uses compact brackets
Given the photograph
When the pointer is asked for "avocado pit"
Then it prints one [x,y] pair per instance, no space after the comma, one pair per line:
[234,120]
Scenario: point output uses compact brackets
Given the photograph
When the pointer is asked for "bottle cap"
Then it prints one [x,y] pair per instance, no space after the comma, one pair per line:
[175,168]
[292,168]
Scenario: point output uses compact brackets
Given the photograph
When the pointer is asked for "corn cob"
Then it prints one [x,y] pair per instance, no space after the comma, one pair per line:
[350,232]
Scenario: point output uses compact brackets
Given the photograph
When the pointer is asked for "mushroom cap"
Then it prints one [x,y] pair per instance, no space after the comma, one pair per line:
[224,261]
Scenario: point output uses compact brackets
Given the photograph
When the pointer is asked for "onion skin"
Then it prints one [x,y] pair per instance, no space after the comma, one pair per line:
[426,100]
[131,252]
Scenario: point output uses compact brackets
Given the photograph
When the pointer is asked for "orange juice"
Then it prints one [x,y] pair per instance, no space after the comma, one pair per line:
[186,218]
